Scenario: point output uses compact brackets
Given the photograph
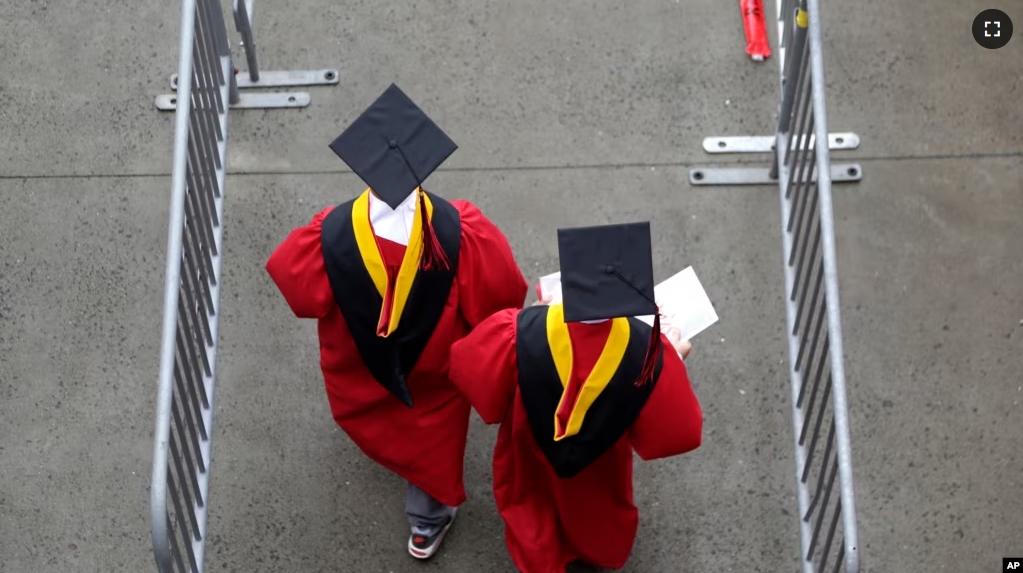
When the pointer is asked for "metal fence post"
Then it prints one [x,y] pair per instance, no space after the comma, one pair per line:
[239,97]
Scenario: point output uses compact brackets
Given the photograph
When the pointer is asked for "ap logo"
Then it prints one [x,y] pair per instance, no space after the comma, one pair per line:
[1012,564]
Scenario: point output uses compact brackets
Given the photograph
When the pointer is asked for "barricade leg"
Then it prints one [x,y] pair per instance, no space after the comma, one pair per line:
[793,39]
[254,78]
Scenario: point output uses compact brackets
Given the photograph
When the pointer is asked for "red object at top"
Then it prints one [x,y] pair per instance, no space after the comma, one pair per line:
[757,45]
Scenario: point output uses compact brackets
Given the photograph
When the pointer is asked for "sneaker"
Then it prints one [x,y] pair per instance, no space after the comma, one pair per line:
[424,546]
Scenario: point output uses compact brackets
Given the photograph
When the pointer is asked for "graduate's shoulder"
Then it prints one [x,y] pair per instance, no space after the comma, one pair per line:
[468,213]
[474,223]
[336,210]
[505,318]
[303,235]
[317,219]
[465,207]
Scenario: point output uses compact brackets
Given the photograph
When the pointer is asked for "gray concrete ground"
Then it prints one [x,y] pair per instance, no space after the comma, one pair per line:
[567,113]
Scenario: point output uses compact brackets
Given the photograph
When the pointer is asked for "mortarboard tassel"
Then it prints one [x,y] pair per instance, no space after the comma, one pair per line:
[653,351]
[434,257]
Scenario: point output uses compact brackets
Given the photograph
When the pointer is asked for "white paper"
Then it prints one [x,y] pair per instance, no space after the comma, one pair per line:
[684,304]
[551,285]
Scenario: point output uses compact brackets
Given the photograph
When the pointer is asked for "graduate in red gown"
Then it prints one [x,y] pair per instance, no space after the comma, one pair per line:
[576,388]
[394,277]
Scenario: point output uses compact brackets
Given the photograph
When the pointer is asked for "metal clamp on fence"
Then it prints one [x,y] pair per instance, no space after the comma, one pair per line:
[184,413]
[254,78]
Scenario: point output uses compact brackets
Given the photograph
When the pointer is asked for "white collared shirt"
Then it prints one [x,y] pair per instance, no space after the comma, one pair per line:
[393,224]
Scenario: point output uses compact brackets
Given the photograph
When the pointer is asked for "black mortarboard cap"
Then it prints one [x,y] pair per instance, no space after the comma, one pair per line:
[606,271]
[393,146]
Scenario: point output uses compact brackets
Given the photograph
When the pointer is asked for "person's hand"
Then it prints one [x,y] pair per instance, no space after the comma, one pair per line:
[543,301]
[682,347]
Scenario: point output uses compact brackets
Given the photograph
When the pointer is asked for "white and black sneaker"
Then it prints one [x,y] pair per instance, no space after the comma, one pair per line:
[423,546]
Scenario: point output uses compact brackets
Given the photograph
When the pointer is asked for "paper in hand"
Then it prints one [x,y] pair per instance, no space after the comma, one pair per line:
[684,305]
[551,285]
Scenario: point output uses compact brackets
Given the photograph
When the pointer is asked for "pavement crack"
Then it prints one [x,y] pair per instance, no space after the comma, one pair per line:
[755,159]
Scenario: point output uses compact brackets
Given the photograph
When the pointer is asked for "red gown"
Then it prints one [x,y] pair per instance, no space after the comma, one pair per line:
[425,444]
[550,522]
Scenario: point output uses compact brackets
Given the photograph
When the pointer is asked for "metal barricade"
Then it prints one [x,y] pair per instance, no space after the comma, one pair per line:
[820,418]
[184,415]
[804,174]
[206,88]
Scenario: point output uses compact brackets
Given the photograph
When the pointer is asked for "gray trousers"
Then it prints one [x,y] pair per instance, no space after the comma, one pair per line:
[425,514]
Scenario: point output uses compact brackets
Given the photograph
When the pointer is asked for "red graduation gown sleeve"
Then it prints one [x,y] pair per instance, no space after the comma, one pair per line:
[484,368]
[296,267]
[671,422]
[489,279]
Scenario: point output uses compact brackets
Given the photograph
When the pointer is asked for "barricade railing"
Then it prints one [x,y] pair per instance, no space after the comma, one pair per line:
[820,418]
[206,89]
[804,174]
[184,417]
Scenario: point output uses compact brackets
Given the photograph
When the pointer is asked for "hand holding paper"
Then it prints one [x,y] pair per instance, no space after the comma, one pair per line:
[684,305]
[550,286]
[682,346]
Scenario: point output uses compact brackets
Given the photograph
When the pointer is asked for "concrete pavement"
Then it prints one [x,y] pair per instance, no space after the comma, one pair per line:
[568,113]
